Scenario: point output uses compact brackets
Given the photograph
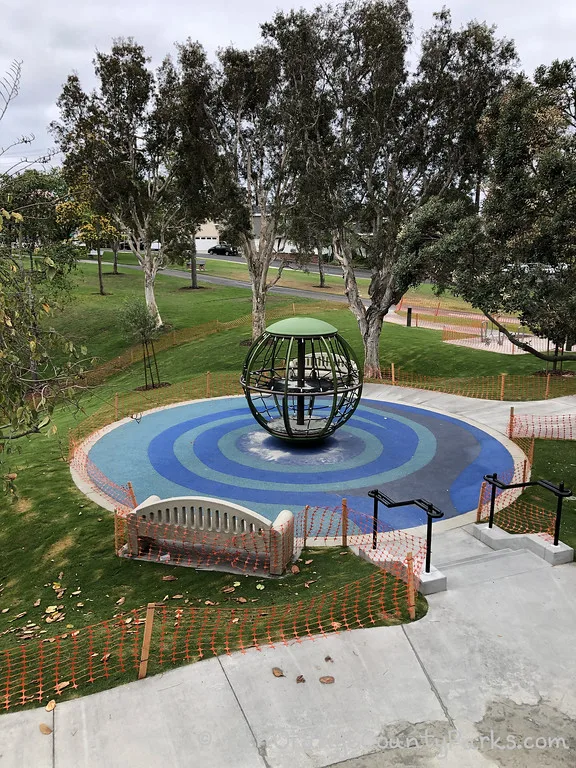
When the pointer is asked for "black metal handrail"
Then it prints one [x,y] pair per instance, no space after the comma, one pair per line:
[432,513]
[559,491]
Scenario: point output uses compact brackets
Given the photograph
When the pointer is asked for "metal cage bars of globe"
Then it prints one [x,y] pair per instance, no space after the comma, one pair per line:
[301,380]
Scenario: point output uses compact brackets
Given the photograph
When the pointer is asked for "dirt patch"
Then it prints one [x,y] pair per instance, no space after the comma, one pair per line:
[150,389]
[24,507]
[527,736]
[59,547]
[509,735]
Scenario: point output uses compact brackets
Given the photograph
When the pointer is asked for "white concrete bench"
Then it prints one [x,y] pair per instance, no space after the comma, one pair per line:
[211,525]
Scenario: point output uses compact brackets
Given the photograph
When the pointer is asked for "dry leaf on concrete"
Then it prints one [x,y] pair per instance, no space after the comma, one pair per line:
[45,729]
[50,706]
[277,672]
[327,679]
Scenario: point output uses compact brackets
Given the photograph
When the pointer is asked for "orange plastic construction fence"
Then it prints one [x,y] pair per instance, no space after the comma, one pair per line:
[148,639]
[252,551]
[551,427]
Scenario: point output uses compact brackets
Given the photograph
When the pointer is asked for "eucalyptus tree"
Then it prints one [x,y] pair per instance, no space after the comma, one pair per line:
[253,133]
[378,140]
[124,138]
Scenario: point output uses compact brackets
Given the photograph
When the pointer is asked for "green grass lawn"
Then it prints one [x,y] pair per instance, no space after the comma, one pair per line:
[95,321]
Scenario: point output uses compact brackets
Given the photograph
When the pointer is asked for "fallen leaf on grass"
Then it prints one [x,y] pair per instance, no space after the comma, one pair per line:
[308,562]
[227,590]
[61,575]
[19,616]
[169,578]
[277,672]
[50,609]
[75,594]
[344,553]
[236,584]
[60,687]
[121,601]
[241,599]
[5,610]
[259,586]
[45,729]
[105,657]
[307,583]
[209,602]
[50,706]
[36,603]
[235,621]
[300,679]
[295,569]
[177,597]
[327,680]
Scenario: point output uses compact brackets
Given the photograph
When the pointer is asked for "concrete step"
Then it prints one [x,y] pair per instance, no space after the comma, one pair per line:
[488,554]
[490,567]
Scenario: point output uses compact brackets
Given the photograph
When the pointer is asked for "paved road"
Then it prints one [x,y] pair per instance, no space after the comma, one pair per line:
[202,278]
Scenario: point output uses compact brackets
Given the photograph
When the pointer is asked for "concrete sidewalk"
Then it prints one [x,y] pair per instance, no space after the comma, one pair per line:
[491,661]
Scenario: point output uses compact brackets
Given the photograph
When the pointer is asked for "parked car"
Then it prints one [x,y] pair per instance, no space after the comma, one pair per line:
[223,249]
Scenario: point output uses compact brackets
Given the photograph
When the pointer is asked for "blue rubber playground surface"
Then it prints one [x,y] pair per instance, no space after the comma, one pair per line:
[215,448]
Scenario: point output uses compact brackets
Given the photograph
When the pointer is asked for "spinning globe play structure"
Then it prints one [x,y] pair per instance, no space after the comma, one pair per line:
[302,380]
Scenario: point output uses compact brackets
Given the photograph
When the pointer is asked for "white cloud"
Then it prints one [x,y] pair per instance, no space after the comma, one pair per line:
[53,39]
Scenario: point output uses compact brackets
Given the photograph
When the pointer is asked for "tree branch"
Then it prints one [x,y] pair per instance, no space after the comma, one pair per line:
[564,357]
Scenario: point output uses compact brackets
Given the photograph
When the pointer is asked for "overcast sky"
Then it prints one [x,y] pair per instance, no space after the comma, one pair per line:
[58,37]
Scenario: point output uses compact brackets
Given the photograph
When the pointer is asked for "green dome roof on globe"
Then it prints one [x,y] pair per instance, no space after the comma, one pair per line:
[301,327]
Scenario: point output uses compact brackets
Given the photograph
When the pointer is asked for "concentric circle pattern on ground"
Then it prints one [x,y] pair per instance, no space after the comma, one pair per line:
[215,448]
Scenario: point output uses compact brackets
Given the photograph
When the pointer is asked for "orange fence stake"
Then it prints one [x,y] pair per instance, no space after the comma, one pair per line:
[344,523]
[393,373]
[547,387]
[207,383]
[116,407]
[145,652]
[480,499]
[306,508]
[525,470]
[511,422]
[410,585]
[416,319]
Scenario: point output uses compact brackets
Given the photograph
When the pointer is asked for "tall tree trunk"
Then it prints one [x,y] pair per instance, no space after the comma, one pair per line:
[321,273]
[193,264]
[371,343]
[115,246]
[100,278]
[258,261]
[383,294]
[258,313]
[150,268]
